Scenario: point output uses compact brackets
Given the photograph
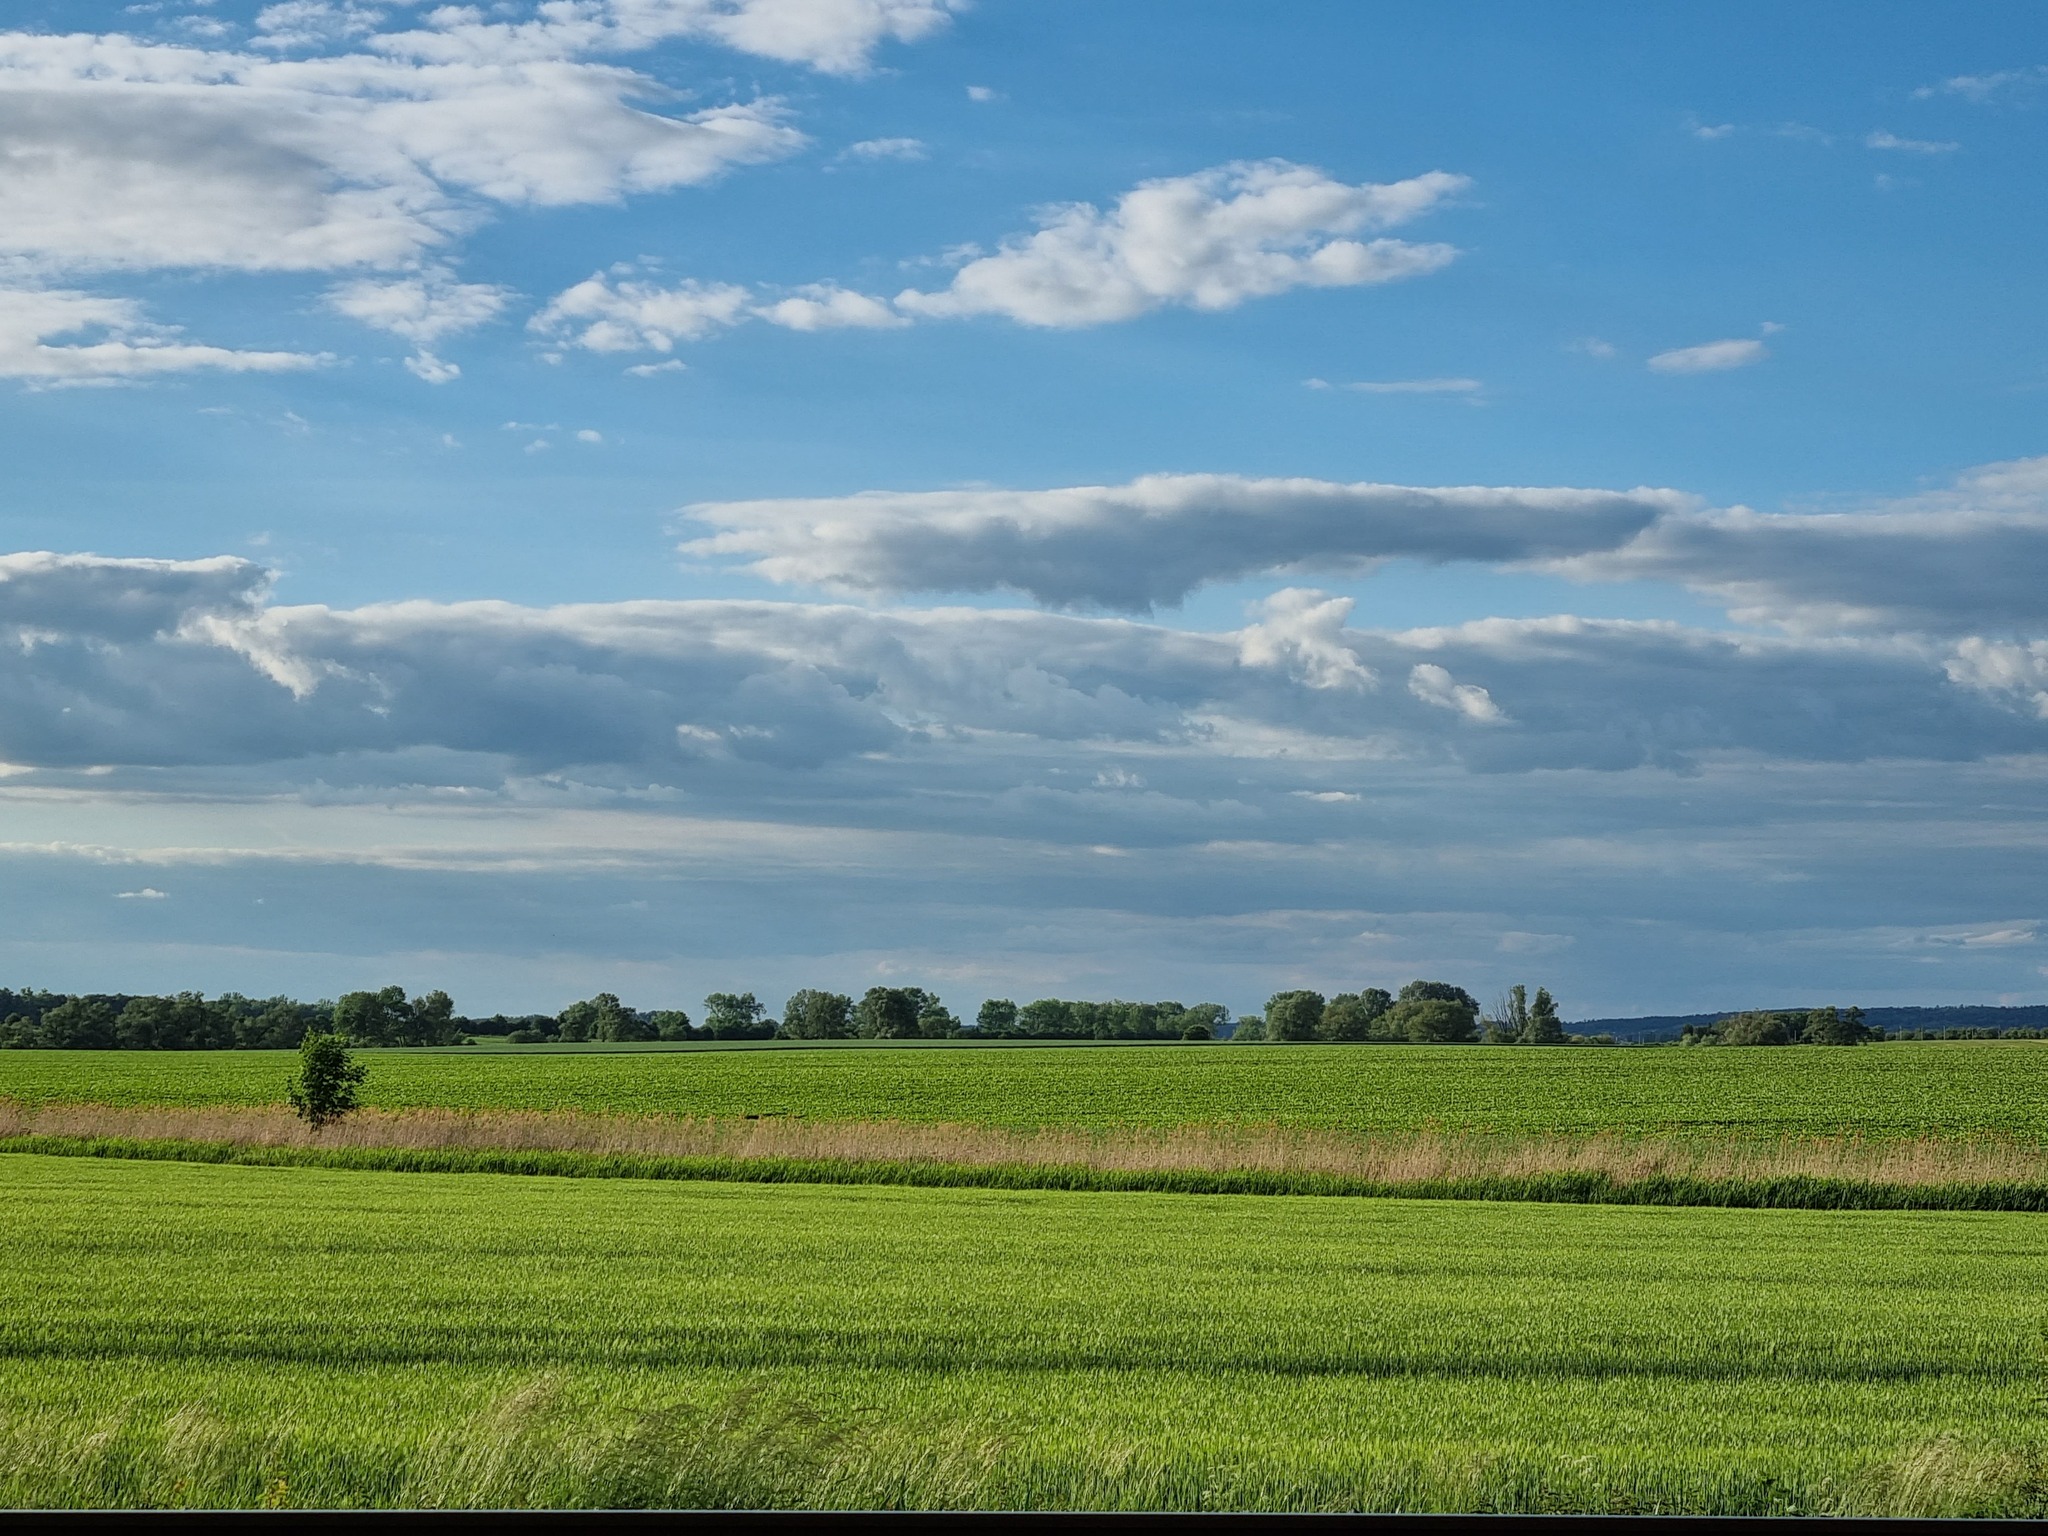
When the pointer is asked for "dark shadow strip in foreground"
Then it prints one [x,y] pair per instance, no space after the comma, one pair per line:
[1793,1192]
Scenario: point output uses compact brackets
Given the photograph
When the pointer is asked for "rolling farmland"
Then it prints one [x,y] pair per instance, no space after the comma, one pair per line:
[1942,1090]
[246,1336]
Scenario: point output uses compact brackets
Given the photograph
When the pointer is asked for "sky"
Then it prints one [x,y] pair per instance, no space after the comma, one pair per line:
[1147,500]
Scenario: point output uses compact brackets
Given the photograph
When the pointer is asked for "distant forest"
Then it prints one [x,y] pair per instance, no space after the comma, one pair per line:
[1422,1012]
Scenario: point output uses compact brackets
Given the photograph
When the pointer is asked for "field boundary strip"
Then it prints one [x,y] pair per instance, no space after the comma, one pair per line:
[1793,1192]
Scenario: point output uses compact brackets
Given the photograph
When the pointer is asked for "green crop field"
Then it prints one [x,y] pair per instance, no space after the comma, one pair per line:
[1948,1089]
[241,1336]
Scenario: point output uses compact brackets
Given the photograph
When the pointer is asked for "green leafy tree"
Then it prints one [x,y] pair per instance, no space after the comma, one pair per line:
[1824,1026]
[1543,1026]
[78,1024]
[1352,1015]
[814,1015]
[670,1024]
[1251,1029]
[324,1088]
[1294,1015]
[602,1017]
[997,1016]
[1433,1021]
[1209,1016]
[887,1013]
[1759,1028]
[373,1018]
[735,1016]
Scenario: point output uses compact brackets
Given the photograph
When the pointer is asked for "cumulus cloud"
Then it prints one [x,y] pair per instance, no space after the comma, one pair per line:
[886,149]
[129,154]
[168,664]
[1711,356]
[423,309]
[1158,538]
[603,314]
[1985,87]
[1208,241]
[55,336]
[1966,559]
[837,37]
[825,307]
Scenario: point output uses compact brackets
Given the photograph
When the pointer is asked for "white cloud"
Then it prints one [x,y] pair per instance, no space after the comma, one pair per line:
[129,664]
[1433,685]
[1883,140]
[653,370]
[311,23]
[422,309]
[601,314]
[822,307]
[115,341]
[1449,386]
[1207,241]
[122,153]
[886,149]
[1984,87]
[832,36]
[147,893]
[589,435]
[983,93]
[1710,357]
[1963,560]
[1156,539]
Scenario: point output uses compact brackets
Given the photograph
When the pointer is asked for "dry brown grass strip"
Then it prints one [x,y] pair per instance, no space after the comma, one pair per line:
[1214,1149]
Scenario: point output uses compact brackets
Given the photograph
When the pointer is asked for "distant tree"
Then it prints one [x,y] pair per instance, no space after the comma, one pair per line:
[1251,1029]
[324,1088]
[77,1023]
[813,1015]
[1824,1026]
[527,1036]
[934,1020]
[432,1021]
[1543,1026]
[1440,992]
[887,1013]
[1352,1015]
[1509,1021]
[1432,1021]
[1197,1032]
[1294,1015]
[736,1016]
[373,1018]
[997,1016]
[1758,1028]
[1210,1016]
[1047,1019]
[603,1017]
[670,1024]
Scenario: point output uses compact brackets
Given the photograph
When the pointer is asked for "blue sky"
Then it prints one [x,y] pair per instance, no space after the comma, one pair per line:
[1167,500]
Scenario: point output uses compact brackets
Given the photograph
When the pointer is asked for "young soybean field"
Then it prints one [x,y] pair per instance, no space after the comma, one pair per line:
[1902,1090]
[188,1335]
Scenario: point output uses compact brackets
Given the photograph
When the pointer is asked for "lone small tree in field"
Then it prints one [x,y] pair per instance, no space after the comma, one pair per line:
[324,1088]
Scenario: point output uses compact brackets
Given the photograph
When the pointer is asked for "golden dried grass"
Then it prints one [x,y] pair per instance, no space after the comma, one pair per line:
[1397,1158]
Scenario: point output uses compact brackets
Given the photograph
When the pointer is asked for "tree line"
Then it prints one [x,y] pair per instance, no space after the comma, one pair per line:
[1422,1013]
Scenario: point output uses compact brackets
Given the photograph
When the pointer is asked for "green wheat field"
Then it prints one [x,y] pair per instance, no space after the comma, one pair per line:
[188,1334]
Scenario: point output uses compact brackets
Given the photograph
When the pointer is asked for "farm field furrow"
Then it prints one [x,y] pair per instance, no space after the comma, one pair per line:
[1947,1089]
[225,1335]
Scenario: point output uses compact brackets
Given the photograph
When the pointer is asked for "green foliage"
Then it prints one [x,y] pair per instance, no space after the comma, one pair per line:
[324,1088]
[736,1016]
[670,1024]
[1902,1090]
[388,1017]
[1820,1026]
[996,1016]
[1543,1026]
[1251,1029]
[185,1335]
[604,1017]
[1294,1015]
[1354,1015]
[813,1015]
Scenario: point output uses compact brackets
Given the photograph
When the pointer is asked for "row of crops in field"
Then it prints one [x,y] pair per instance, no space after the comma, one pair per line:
[1958,1089]
[220,1335]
